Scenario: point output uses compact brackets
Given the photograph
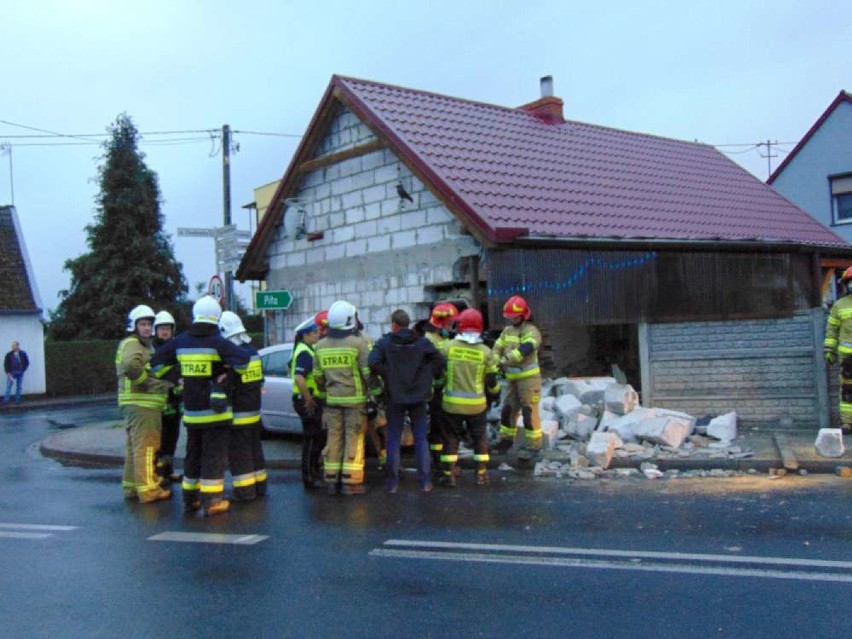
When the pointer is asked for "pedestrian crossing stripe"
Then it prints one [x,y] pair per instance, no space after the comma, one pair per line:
[30,531]
[209,538]
[37,527]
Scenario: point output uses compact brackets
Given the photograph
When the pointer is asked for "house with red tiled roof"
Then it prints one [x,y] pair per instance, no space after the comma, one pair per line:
[817,174]
[20,304]
[660,255]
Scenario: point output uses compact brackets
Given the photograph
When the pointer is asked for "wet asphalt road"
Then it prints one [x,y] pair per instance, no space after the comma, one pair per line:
[521,558]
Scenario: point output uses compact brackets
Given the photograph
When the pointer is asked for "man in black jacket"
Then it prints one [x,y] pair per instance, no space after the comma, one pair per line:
[407,363]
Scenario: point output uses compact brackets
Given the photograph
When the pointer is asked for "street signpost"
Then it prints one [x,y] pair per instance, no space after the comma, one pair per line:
[230,245]
[273,300]
[216,288]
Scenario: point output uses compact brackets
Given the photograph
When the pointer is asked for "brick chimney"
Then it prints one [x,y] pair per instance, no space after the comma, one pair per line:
[547,108]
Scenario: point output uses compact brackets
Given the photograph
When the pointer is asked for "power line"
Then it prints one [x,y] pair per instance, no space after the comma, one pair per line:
[33,128]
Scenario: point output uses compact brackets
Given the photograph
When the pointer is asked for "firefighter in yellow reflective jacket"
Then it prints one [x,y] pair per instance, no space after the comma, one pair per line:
[469,386]
[245,451]
[517,347]
[341,372]
[306,401]
[142,399]
[838,340]
[438,330]
[200,355]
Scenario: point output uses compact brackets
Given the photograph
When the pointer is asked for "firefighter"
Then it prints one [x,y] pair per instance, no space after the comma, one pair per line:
[321,320]
[306,401]
[141,399]
[341,373]
[200,355]
[245,451]
[438,330]
[164,330]
[838,339]
[517,348]
[470,386]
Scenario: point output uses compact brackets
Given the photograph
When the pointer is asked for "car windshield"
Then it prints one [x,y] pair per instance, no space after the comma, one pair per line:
[277,363]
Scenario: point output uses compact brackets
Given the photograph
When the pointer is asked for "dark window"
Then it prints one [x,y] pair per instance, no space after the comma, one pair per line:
[843,206]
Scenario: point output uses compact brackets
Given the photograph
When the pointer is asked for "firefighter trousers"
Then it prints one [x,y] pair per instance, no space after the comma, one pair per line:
[522,396]
[313,440]
[476,427]
[246,461]
[168,444]
[205,463]
[143,440]
[344,450]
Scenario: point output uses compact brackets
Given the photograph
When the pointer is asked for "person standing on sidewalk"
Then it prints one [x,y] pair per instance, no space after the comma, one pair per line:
[164,330]
[306,401]
[141,399]
[200,356]
[15,364]
[407,363]
[341,373]
[838,340]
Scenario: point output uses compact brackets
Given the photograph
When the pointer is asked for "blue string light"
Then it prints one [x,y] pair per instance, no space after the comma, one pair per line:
[581,272]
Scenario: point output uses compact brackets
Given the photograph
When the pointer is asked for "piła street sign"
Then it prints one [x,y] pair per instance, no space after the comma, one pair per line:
[273,300]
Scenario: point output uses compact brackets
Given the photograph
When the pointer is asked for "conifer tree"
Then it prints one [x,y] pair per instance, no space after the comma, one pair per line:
[130,259]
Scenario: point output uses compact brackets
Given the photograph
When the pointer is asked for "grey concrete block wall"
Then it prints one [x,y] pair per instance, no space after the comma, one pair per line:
[378,251]
[766,370]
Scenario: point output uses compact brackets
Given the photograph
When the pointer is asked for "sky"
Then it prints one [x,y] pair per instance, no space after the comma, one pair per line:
[730,73]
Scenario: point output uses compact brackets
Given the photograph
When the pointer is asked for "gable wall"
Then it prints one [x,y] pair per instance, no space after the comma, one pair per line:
[829,152]
[378,252]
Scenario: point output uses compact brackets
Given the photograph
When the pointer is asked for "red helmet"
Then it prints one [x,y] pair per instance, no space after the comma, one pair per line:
[847,275]
[470,321]
[516,306]
[321,320]
[443,315]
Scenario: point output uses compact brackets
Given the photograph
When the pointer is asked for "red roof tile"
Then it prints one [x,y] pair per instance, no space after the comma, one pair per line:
[511,172]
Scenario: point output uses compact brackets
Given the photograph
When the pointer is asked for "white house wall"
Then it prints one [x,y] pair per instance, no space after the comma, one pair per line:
[28,331]
[828,152]
[378,252]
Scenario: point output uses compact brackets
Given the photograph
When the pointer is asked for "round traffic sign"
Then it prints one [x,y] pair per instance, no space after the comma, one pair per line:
[216,288]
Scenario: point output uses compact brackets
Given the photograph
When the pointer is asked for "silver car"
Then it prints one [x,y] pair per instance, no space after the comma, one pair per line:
[276,404]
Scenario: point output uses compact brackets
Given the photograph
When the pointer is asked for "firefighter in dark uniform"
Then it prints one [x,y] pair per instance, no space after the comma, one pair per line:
[200,355]
[306,401]
[245,451]
[164,330]
[470,384]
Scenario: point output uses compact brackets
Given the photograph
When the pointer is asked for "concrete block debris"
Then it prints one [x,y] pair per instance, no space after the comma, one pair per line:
[829,442]
[723,427]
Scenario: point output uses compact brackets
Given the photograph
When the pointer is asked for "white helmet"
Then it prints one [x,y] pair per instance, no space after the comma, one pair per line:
[137,313]
[231,325]
[342,315]
[206,310]
[163,318]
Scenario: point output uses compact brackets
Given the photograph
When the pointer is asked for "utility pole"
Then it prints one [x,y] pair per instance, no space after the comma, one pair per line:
[226,201]
[768,156]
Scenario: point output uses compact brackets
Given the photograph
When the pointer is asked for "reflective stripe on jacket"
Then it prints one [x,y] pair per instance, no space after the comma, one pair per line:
[135,386]
[511,339]
[341,367]
[467,366]
[310,380]
[838,328]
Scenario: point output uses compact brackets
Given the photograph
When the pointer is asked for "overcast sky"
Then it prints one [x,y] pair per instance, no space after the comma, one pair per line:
[723,72]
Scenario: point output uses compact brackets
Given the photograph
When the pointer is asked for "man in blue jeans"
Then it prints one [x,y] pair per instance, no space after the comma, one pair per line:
[15,364]
[407,363]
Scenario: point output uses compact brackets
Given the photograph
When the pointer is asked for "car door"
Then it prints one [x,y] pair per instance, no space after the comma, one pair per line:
[277,395]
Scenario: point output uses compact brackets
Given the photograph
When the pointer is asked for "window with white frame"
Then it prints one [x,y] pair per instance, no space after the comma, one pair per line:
[841,198]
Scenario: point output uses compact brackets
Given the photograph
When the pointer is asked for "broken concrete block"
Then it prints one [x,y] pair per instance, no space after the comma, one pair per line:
[829,442]
[687,419]
[556,387]
[546,415]
[651,471]
[567,405]
[620,398]
[549,428]
[546,403]
[667,431]
[723,427]
[600,448]
[625,425]
[579,426]
[589,390]
[843,471]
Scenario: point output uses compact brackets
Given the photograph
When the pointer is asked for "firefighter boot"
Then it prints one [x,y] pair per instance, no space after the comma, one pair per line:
[217,507]
[352,489]
[158,494]
[449,477]
[481,476]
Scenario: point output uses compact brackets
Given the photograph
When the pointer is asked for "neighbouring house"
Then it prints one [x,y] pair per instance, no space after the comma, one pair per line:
[662,256]
[20,304]
[817,173]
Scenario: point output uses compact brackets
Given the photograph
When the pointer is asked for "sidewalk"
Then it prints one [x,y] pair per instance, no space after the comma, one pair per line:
[102,444]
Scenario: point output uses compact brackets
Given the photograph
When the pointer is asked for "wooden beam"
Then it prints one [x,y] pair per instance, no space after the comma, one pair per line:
[334,158]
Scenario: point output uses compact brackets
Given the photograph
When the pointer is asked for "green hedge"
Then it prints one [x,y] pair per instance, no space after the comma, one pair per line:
[80,367]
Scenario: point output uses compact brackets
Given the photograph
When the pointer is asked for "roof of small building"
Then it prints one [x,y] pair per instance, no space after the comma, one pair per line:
[508,173]
[843,96]
[18,294]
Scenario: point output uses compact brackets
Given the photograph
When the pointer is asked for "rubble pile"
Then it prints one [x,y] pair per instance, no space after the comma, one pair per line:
[595,423]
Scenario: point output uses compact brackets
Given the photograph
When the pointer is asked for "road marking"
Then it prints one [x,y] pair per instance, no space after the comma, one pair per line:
[209,538]
[37,527]
[633,560]
[23,535]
